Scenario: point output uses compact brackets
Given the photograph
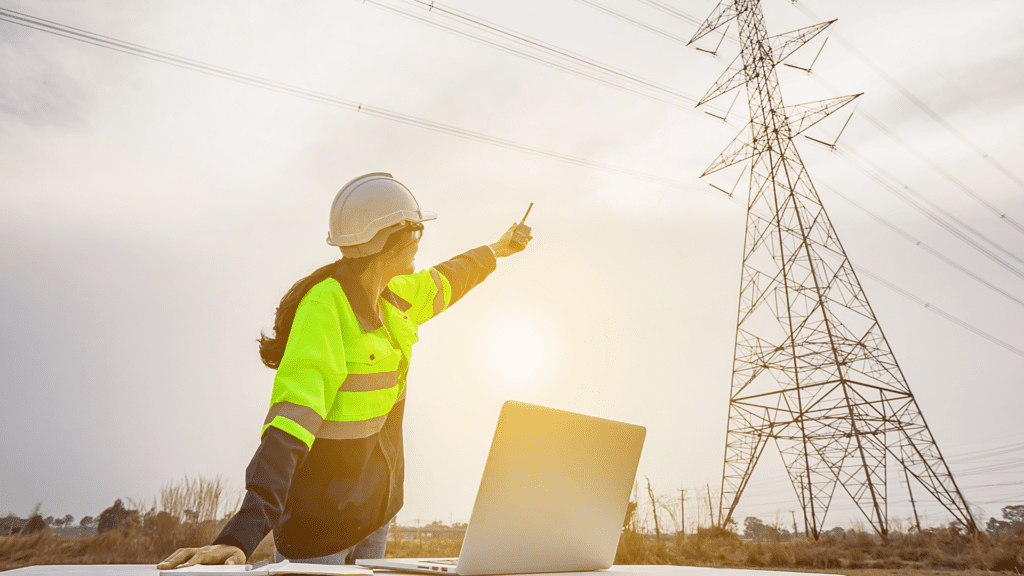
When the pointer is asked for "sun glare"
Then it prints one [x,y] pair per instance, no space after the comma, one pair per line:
[520,349]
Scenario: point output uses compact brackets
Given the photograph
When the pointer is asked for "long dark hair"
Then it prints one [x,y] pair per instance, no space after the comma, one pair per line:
[272,347]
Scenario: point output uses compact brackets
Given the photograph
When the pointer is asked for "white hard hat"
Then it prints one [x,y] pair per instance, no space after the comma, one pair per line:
[366,206]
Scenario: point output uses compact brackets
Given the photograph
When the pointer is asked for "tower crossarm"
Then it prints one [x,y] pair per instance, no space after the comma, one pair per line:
[739,150]
[724,12]
[784,45]
[732,78]
[803,116]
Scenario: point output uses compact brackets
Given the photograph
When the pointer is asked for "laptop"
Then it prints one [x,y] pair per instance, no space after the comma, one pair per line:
[552,498]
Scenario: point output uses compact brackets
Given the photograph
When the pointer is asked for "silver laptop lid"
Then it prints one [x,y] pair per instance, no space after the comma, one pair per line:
[554,493]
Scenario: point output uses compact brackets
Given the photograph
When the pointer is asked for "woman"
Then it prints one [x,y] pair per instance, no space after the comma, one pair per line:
[328,475]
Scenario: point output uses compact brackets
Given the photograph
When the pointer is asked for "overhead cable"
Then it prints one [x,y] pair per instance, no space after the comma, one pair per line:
[55,28]
[908,237]
[880,125]
[496,36]
[932,204]
[638,23]
[931,163]
[674,12]
[921,105]
[688,18]
[110,43]
[901,193]
[941,312]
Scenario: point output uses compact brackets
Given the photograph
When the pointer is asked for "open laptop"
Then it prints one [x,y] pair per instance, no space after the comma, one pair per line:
[552,499]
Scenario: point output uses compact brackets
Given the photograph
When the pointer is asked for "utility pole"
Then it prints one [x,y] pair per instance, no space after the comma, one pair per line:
[682,512]
[711,508]
[795,533]
[812,371]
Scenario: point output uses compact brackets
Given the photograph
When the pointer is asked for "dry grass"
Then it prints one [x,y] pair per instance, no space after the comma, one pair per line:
[400,547]
[938,549]
[191,514]
[188,516]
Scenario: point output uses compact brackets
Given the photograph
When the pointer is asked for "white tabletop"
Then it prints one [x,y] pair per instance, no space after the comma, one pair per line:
[150,570]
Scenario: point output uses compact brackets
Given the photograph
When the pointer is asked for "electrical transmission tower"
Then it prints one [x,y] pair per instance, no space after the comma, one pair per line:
[812,369]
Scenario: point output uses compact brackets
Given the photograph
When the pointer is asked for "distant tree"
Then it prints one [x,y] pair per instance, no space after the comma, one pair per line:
[35,525]
[1014,515]
[998,528]
[69,519]
[837,532]
[162,522]
[10,524]
[58,522]
[113,518]
[48,520]
[1013,520]
[753,528]
[86,521]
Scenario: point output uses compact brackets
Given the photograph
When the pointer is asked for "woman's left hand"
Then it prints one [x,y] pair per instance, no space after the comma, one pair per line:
[504,246]
[213,554]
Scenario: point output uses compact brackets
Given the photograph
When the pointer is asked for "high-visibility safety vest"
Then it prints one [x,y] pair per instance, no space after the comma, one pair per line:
[330,467]
[341,374]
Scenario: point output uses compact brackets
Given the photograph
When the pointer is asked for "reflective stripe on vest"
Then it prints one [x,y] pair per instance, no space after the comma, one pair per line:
[369,382]
[308,418]
[302,415]
[354,429]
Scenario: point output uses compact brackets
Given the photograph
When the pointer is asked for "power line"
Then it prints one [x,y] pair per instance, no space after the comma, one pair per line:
[682,15]
[901,194]
[111,43]
[675,13]
[542,52]
[494,28]
[935,206]
[931,163]
[941,312]
[910,238]
[934,116]
[634,21]
[57,29]
[882,127]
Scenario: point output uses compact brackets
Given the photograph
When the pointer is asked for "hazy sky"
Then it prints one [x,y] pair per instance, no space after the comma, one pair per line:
[152,217]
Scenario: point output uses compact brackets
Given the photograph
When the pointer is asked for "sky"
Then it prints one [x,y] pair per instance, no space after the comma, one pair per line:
[154,216]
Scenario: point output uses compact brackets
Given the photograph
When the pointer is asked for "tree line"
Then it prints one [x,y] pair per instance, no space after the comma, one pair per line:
[115,517]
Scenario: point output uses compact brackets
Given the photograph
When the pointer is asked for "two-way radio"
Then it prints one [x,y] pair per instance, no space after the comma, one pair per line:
[522,232]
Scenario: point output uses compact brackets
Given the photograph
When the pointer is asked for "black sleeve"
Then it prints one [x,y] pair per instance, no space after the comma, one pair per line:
[467,270]
[267,480]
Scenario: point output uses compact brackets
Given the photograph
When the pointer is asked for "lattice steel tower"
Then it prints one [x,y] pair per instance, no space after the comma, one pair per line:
[812,370]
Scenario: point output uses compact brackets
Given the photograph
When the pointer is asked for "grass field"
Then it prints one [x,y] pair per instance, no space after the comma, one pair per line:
[188,517]
[934,552]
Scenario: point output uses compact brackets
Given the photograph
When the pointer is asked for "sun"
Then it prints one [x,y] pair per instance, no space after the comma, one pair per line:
[520,348]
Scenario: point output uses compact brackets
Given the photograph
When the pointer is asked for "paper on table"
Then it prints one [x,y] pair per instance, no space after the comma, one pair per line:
[285,567]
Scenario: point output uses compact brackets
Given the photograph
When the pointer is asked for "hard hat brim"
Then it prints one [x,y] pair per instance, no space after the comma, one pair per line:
[386,221]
